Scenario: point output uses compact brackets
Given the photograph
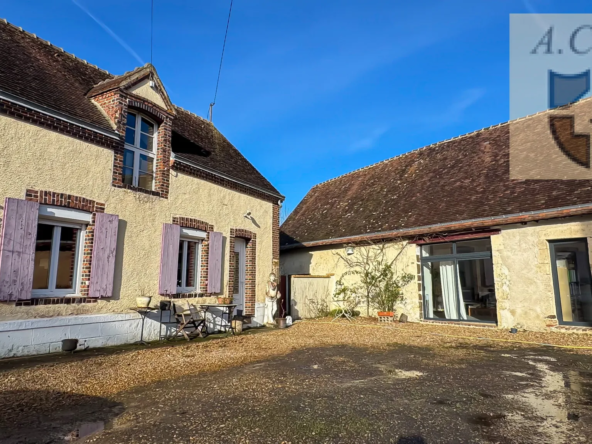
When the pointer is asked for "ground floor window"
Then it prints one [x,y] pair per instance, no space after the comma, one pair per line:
[56,263]
[572,281]
[187,270]
[458,282]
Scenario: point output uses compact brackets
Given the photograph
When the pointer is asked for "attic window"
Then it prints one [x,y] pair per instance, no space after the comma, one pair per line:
[139,154]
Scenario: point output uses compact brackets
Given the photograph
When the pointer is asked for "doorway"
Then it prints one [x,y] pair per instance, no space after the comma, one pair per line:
[240,249]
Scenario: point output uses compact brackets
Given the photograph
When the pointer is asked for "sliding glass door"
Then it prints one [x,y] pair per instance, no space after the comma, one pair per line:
[458,281]
[571,281]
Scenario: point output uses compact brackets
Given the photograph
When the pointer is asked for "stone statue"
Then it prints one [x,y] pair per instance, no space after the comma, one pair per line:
[273,294]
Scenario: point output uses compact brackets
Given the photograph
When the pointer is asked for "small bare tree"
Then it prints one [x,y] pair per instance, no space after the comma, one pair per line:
[377,282]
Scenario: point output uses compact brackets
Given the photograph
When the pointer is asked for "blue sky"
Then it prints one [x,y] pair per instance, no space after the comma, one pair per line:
[310,89]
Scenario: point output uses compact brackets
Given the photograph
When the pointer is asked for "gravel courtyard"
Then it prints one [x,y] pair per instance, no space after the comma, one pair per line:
[313,382]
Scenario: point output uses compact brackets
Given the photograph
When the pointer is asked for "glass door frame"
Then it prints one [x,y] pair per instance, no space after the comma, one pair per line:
[558,309]
[455,258]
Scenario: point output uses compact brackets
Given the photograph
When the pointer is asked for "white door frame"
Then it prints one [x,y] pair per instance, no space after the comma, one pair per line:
[240,247]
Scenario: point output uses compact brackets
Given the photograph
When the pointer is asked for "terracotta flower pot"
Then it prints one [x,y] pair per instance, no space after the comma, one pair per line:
[281,322]
[386,313]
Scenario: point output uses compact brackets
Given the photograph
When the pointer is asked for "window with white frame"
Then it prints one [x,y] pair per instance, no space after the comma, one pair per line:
[140,151]
[188,266]
[57,258]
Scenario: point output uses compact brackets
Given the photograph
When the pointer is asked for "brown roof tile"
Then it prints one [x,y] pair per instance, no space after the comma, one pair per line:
[35,70]
[461,179]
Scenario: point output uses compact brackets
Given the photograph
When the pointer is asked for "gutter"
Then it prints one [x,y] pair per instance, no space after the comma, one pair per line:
[484,222]
[240,182]
[58,115]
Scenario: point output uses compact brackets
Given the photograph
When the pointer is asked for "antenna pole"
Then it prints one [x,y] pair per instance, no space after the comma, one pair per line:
[211,110]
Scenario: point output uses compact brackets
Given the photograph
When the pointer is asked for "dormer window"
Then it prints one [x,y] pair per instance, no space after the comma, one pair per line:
[140,151]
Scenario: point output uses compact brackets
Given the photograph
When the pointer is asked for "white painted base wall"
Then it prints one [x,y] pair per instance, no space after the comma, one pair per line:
[40,336]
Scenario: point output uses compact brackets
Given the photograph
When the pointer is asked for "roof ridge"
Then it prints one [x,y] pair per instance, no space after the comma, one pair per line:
[193,114]
[462,136]
[47,42]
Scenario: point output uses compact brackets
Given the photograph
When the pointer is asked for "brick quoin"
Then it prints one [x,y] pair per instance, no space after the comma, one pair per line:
[250,265]
[77,203]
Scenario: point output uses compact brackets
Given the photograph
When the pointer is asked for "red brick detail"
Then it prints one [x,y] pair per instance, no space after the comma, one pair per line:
[190,170]
[197,224]
[54,124]
[251,268]
[115,104]
[77,203]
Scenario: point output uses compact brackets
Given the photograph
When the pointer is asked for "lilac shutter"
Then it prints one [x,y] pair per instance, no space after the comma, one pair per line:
[215,262]
[103,256]
[17,249]
[169,259]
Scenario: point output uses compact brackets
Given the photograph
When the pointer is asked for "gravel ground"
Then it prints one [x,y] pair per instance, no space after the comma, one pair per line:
[313,382]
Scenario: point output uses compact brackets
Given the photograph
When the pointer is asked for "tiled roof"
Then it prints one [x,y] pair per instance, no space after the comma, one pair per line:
[37,71]
[462,179]
[198,141]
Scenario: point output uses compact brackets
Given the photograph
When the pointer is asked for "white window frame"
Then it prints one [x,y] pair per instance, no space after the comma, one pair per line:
[197,272]
[138,151]
[51,291]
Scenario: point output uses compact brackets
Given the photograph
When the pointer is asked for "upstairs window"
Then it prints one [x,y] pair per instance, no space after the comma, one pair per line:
[139,154]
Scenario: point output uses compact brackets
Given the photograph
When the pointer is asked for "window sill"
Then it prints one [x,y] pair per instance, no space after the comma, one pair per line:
[56,300]
[125,186]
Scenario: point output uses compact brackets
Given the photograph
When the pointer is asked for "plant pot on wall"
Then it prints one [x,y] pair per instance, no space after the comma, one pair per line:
[143,301]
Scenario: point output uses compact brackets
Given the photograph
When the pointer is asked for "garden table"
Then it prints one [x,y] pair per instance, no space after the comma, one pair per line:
[143,312]
[227,309]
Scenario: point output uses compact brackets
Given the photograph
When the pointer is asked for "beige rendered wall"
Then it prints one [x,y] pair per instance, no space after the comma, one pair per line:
[522,270]
[144,90]
[33,157]
[326,260]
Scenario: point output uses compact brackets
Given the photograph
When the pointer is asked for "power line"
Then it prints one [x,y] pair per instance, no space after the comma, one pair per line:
[221,60]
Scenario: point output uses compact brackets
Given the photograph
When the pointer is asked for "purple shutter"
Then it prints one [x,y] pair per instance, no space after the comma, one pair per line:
[169,259]
[17,249]
[103,256]
[215,262]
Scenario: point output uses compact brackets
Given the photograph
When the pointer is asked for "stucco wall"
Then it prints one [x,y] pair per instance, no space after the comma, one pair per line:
[326,260]
[33,157]
[144,90]
[522,270]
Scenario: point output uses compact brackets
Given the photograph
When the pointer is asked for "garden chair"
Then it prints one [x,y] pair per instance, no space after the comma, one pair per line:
[191,323]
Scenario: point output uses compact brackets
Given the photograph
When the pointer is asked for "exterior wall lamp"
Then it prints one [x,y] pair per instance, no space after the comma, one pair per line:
[349,250]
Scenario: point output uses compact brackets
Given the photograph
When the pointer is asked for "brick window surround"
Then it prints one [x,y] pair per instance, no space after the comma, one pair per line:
[77,203]
[115,103]
[197,224]
[251,268]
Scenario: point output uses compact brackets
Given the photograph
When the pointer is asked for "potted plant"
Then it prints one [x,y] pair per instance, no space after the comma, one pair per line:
[143,301]
[224,300]
[388,291]
[280,321]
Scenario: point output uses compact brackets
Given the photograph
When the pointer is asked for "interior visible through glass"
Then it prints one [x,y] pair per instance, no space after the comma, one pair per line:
[42,260]
[67,258]
[459,289]
[573,281]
